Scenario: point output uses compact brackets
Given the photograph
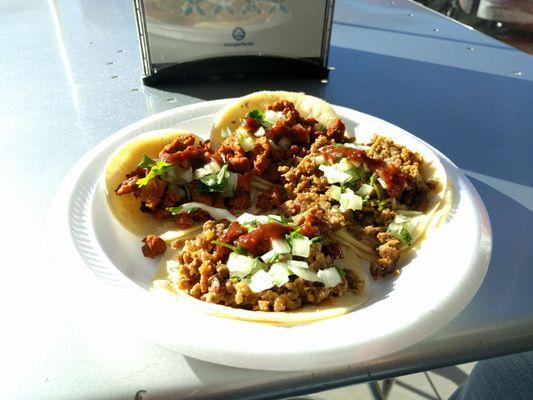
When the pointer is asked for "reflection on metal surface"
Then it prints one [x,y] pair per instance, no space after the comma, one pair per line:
[63,55]
[210,33]
[510,21]
[520,193]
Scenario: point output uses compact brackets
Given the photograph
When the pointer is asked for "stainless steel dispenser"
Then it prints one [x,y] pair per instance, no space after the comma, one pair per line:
[191,37]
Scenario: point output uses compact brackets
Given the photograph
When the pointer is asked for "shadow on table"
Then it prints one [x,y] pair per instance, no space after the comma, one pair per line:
[218,87]
[509,273]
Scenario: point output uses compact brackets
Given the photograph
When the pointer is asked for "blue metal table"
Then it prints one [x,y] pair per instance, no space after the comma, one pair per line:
[71,77]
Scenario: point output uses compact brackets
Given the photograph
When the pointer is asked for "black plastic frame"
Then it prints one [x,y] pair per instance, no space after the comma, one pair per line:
[238,65]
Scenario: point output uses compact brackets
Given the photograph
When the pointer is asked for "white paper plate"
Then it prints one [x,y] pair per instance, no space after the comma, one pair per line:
[431,290]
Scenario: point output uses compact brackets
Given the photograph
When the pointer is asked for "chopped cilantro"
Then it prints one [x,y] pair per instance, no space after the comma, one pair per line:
[146,162]
[350,184]
[275,258]
[156,170]
[236,249]
[227,245]
[375,186]
[259,116]
[215,182]
[179,209]
[401,232]
[280,219]
[295,234]
[241,250]
[381,204]
[250,225]
[174,210]
[341,272]
[405,235]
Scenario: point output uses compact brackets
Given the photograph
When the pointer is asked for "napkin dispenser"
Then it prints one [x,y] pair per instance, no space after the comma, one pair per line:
[181,38]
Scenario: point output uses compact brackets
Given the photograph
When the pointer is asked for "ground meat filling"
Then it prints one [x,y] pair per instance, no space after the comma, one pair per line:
[162,195]
[415,194]
[305,176]
[284,143]
[153,246]
[402,186]
[314,210]
[388,253]
[203,274]
[271,199]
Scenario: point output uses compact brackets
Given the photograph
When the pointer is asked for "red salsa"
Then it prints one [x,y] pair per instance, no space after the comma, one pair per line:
[259,240]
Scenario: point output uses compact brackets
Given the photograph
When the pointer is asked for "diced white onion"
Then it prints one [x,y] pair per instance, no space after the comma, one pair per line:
[334,192]
[281,246]
[239,266]
[364,190]
[350,201]
[279,273]
[260,132]
[301,247]
[329,277]
[257,266]
[345,165]
[206,170]
[334,175]
[305,273]
[394,229]
[247,142]
[272,117]
[260,281]
[180,175]
[297,264]
[267,257]
[231,185]
[410,220]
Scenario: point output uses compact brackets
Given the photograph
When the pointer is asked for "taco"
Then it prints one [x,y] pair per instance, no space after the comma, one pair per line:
[265,130]
[170,181]
[377,198]
[265,269]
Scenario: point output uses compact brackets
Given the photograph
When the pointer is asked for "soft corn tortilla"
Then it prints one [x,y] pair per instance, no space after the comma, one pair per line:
[308,107]
[125,159]
[433,169]
[330,308]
